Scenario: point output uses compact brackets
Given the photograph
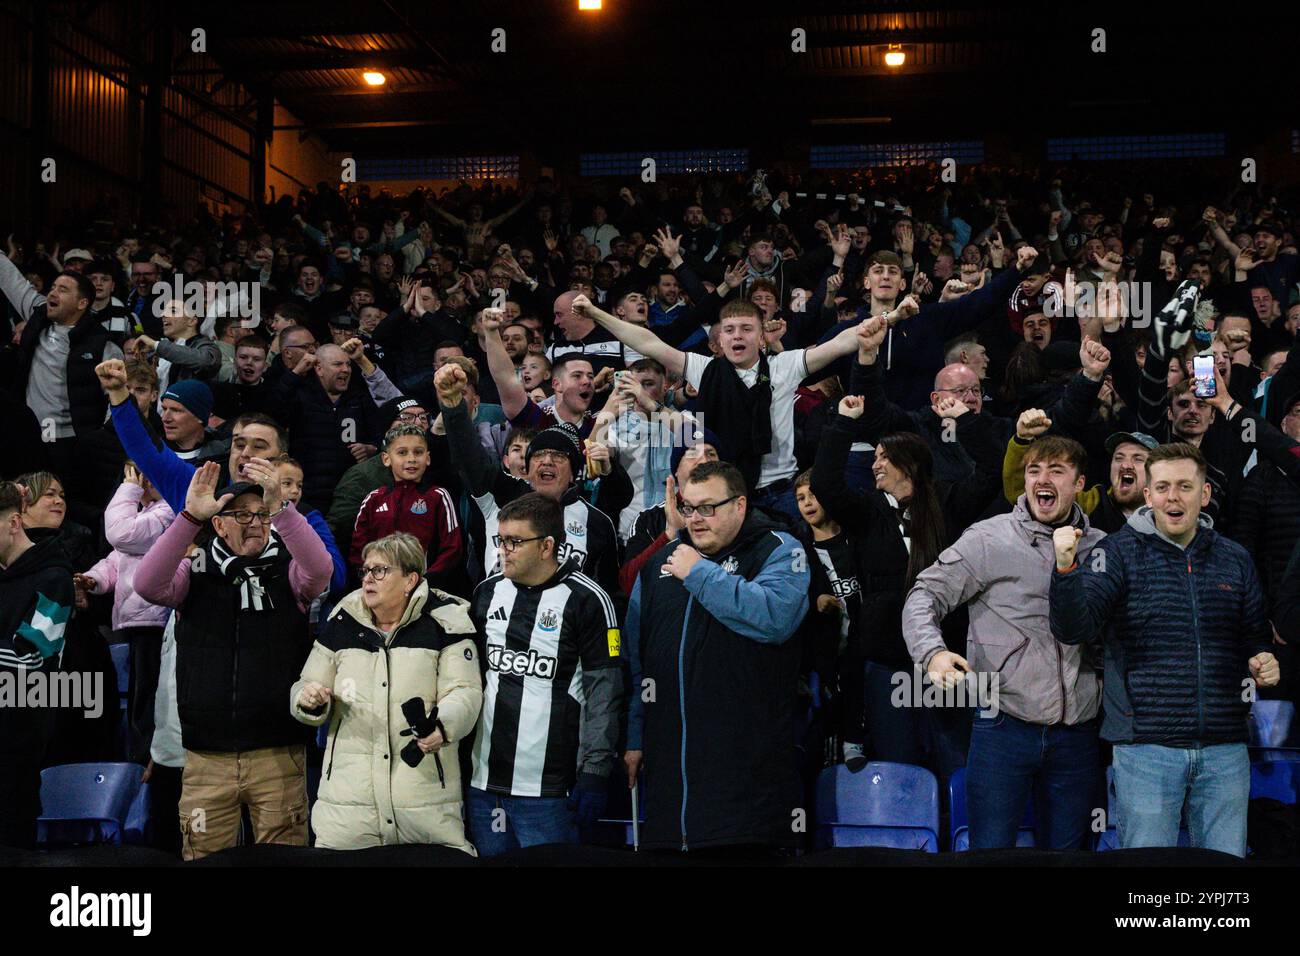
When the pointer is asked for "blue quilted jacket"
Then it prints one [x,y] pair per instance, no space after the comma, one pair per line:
[1179,627]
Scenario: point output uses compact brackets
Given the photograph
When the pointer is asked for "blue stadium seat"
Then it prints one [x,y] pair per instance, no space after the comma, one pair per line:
[139,830]
[90,803]
[959,825]
[1275,775]
[1271,722]
[883,804]
[122,662]
[1109,840]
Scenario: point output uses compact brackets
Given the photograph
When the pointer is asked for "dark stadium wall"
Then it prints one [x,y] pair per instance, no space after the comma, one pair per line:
[137,124]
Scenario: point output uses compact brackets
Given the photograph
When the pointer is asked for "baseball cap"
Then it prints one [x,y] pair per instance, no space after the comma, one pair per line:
[237,488]
[1138,438]
[395,406]
[81,254]
[344,320]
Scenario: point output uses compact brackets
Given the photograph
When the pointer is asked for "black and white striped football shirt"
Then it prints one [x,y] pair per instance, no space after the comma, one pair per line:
[552,686]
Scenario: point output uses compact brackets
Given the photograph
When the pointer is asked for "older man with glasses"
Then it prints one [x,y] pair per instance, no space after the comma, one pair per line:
[241,641]
[296,342]
[952,462]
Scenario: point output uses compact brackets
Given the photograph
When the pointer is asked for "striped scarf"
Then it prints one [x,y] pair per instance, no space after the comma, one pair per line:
[246,572]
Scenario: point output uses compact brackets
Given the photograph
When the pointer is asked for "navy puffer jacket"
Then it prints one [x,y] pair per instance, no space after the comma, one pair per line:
[1180,626]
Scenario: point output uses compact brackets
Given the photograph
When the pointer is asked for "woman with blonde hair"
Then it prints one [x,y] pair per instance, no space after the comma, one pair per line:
[395,673]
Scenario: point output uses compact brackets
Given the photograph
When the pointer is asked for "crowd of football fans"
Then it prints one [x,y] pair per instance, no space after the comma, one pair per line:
[683,485]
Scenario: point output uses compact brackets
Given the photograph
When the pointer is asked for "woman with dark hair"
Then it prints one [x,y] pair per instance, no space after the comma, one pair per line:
[898,529]
[1025,373]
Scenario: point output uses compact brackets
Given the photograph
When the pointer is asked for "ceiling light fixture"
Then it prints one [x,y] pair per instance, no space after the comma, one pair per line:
[588,4]
[373,78]
[894,55]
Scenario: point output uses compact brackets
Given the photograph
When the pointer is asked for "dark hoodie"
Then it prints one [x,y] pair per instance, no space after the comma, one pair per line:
[35,604]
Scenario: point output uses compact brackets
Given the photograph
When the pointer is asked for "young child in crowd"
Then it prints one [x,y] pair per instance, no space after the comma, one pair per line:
[415,505]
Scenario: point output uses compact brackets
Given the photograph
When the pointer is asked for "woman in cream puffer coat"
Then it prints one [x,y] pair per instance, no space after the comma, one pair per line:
[393,639]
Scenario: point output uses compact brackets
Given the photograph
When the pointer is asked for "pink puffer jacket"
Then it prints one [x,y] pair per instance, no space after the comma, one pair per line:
[130,529]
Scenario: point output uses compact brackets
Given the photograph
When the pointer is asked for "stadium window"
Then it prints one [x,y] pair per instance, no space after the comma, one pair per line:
[895,154]
[667,162]
[1165,146]
[438,167]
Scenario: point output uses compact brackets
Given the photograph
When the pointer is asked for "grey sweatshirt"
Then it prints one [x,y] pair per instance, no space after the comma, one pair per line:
[1003,568]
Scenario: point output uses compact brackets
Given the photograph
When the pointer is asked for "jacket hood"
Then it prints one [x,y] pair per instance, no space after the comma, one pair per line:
[454,617]
[46,553]
[1143,521]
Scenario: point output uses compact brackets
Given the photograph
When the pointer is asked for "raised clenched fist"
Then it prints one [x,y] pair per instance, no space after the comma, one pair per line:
[1032,423]
[450,382]
[1066,541]
[112,376]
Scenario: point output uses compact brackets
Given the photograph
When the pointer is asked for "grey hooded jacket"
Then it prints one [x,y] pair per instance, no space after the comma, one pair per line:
[1003,568]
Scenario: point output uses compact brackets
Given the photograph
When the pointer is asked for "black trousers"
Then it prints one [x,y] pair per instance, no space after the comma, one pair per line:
[145,664]
[82,736]
[164,801]
[25,733]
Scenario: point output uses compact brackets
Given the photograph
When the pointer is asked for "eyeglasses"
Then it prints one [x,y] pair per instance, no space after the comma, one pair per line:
[971,390]
[511,545]
[550,457]
[246,517]
[706,511]
[410,418]
[376,571]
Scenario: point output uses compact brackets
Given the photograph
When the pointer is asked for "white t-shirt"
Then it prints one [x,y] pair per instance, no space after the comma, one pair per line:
[787,370]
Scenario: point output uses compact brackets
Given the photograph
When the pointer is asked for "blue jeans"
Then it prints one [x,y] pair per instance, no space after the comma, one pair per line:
[523,821]
[1154,783]
[782,501]
[1012,760]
